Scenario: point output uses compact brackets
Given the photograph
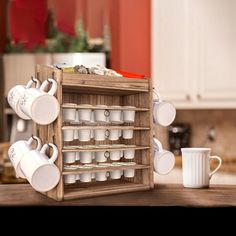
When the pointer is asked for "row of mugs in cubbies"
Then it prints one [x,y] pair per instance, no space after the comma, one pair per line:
[85,134]
[98,114]
[86,157]
[99,175]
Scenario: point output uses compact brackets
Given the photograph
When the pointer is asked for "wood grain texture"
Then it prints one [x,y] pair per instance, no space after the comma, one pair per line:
[161,195]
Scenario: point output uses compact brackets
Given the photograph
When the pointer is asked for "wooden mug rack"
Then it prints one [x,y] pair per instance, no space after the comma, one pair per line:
[101,90]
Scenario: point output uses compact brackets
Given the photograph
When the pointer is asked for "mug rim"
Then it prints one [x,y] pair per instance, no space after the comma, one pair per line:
[195,149]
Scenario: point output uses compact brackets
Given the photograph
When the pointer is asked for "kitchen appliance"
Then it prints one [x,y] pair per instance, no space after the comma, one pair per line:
[179,137]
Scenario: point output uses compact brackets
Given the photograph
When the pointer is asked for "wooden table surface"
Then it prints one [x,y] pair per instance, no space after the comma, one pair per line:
[162,195]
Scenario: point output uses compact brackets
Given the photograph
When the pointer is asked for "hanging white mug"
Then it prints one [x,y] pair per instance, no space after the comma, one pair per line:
[43,108]
[164,160]
[18,149]
[16,93]
[40,171]
[163,112]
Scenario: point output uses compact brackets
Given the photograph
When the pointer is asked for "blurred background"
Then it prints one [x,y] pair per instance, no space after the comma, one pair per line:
[188,48]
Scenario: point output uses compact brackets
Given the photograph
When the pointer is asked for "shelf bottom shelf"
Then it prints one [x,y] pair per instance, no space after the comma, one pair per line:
[116,187]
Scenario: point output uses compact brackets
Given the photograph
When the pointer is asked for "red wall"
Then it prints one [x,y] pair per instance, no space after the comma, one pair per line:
[131,35]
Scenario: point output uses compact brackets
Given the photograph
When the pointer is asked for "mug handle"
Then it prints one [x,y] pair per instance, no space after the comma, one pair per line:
[217,168]
[158,144]
[54,154]
[32,81]
[39,143]
[53,88]
[157,95]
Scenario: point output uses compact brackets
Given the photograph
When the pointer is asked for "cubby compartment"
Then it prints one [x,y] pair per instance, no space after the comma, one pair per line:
[80,92]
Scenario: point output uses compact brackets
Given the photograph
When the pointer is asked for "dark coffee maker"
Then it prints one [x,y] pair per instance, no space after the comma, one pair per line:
[179,136]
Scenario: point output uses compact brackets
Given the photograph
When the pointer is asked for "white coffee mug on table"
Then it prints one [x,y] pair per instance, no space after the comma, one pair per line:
[40,171]
[164,160]
[196,167]
[16,93]
[163,112]
[18,149]
[42,107]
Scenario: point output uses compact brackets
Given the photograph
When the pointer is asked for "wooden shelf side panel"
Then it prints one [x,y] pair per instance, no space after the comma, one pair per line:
[52,133]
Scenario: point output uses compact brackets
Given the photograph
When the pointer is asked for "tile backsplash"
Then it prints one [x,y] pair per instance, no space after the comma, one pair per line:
[224,122]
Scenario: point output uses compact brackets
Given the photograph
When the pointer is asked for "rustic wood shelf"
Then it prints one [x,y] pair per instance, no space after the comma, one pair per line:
[86,83]
[102,108]
[102,169]
[104,189]
[110,91]
[74,127]
[96,148]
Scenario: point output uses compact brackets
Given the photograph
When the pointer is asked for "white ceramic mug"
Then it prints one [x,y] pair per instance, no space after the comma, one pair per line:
[101,176]
[43,108]
[100,134]
[102,156]
[129,173]
[40,171]
[69,114]
[129,114]
[84,135]
[115,155]
[18,150]
[68,135]
[196,167]
[127,133]
[101,115]
[112,134]
[164,160]
[115,115]
[85,113]
[70,179]
[129,154]
[163,112]
[69,157]
[86,157]
[16,93]
[116,174]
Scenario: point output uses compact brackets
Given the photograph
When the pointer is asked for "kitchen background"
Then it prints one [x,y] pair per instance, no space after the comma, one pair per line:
[187,47]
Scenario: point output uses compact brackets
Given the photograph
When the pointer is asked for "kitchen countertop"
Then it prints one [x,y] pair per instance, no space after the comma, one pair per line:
[161,195]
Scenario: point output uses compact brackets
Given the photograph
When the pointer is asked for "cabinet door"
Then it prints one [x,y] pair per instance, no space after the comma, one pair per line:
[214,38]
[170,56]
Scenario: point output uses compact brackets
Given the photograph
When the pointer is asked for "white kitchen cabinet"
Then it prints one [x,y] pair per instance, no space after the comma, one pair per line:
[194,52]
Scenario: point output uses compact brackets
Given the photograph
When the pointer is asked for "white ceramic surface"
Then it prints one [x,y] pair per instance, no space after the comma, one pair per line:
[40,171]
[15,94]
[69,114]
[18,149]
[164,160]
[129,115]
[163,112]
[42,107]
[196,167]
